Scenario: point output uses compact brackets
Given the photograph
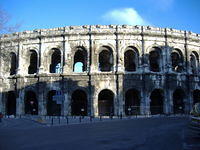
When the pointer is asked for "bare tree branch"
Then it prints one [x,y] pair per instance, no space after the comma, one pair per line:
[4,20]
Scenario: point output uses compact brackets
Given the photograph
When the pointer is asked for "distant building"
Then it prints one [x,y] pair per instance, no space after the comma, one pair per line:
[124,70]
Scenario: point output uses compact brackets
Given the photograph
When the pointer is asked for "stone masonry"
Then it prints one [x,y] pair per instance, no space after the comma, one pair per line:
[158,74]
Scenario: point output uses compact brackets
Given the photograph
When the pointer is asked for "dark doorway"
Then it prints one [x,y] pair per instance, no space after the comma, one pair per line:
[55,66]
[194,61]
[156,104]
[177,60]
[31,103]
[105,60]
[178,103]
[53,109]
[106,103]
[80,60]
[154,60]
[132,102]
[33,62]
[130,60]
[11,103]
[79,103]
[196,96]
[13,63]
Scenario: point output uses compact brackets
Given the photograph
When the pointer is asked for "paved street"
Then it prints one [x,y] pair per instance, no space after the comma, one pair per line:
[136,134]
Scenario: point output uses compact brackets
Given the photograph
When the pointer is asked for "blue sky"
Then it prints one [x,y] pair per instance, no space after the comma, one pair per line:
[36,14]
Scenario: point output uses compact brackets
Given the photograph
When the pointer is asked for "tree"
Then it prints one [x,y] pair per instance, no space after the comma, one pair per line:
[4,20]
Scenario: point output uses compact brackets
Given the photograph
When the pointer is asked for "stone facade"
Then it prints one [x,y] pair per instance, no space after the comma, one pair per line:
[159,74]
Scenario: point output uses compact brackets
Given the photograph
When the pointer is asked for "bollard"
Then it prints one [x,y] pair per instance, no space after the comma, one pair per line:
[51,121]
[100,117]
[121,116]
[90,118]
[111,116]
[80,119]
[67,120]
[59,120]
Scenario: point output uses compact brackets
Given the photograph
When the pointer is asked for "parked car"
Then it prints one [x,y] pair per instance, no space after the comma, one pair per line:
[195,119]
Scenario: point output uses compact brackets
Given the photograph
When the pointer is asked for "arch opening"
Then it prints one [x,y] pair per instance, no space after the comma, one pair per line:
[177,61]
[79,103]
[106,103]
[155,60]
[13,63]
[194,61]
[31,103]
[178,101]
[80,61]
[33,62]
[53,109]
[130,60]
[106,60]
[196,96]
[156,104]
[55,66]
[11,103]
[132,102]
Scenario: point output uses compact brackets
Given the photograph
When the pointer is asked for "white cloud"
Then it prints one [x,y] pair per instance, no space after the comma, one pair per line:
[124,16]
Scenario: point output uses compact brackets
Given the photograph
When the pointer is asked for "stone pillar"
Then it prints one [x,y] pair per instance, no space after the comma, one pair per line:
[41,100]
[1,103]
[66,104]
[187,103]
[20,102]
[165,104]
[170,101]
[20,60]
[120,96]
[143,103]
[41,105]
[95,105]
[1,96]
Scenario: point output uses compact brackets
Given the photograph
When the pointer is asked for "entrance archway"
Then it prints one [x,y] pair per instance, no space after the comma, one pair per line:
[31,103]
[132,102]
[79,103]
[53,109]
[156,104]
[106,103]
[11,103]
[178,103]
[196,96]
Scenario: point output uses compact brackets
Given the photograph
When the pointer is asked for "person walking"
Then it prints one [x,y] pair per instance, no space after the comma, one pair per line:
[1,116]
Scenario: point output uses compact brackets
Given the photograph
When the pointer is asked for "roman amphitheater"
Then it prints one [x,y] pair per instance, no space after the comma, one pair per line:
[99,70]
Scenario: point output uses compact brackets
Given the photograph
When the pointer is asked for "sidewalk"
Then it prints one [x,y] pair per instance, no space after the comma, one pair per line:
[60,120]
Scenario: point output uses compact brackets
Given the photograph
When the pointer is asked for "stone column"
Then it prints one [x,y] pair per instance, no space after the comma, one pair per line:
[1,96]
[143,103]
[41,105]
[66,104]
[95,105]
[41,100]
[120,96]
[20,102]
[20,60]
[166,104]
[171,103]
